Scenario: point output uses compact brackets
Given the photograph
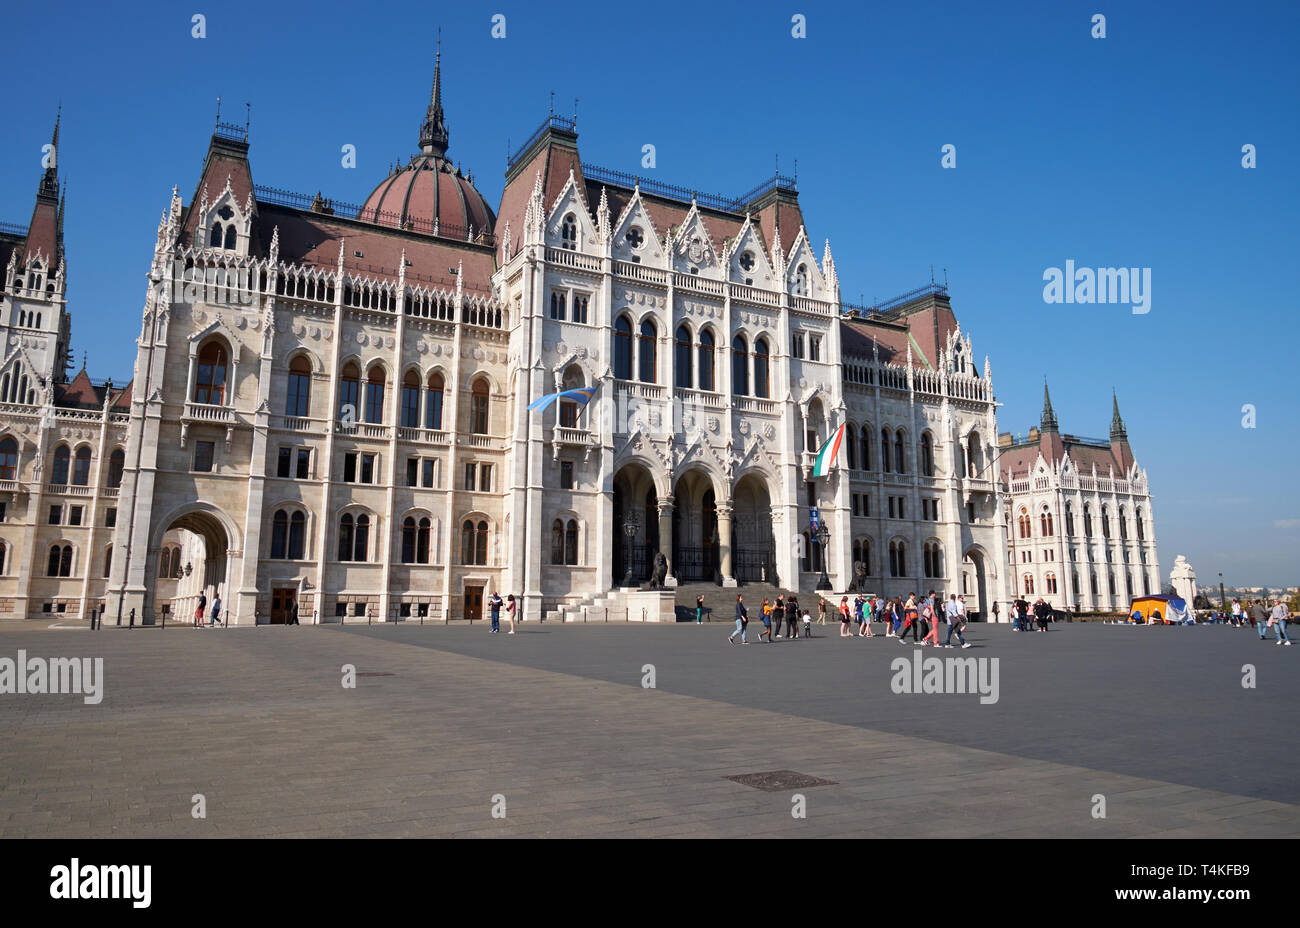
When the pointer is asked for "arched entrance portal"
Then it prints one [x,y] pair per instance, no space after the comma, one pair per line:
[974,581]
[754,554]
[696,549]
[635,526]
[191,559]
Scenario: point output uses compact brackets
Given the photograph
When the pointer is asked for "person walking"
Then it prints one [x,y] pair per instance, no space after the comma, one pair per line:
[198,611]
[864,616]
[897,612]
[955,614]
[214,617]
[909,620]
[845,617]
[791,606]
[742,619]
[1236,614]
[293,613]
[807,624]
[767,612]
[511,607]
[821,611]
[1278,619]
[930,615]
[494,610]
[699,609]
[1259,618]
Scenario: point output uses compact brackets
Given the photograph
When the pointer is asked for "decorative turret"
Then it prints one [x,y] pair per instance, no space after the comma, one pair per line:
[1119,447]
[433,132]
[1047,422]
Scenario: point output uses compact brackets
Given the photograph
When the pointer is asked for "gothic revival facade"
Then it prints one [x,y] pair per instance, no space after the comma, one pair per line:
[329,404]
[1080,528]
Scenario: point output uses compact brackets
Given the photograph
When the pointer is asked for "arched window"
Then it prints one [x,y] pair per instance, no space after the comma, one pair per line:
[623,348]
[411,400]
[4,557]
[927,455]
[8,459]
[375,394]
[214,240]
[423,537]
[1050,582]
[571,543]
[349,392]
[473,543]
[557,542]
[569,409]
[897,559]
[60,561]
[297,536]
[1069,527]
[433,401]
[298,401]
[899,459]
[569,233]
[408,540]
[801,280]
[62,457]
[884,449]
[932,554]
[108,561]
[165,564]
[279,533]
[850,445]
[761,387]
[81,468]
[865,446]
[1087,522]
[1094,584]
[1029,585]
[1045,522]
[1105,522]
[116,464]
[230,237]
[361,542]
[1137,518]
[705,372]
[478,407]
[210,384]
[864,554]
[739,366]
[682,358]
[354,537]
[646,365]
[1024,523]
[1123,524]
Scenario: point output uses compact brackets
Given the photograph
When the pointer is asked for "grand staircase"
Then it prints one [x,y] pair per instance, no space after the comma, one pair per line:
[719,604]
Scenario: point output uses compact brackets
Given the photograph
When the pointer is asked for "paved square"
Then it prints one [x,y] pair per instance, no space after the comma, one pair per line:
[553,724]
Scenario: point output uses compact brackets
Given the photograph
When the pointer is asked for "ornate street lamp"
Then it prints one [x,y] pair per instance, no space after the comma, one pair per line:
[823,536]
[630,529]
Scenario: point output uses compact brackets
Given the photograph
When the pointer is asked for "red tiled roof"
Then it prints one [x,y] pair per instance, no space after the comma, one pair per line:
[43,234]
[429,190]
[858,336]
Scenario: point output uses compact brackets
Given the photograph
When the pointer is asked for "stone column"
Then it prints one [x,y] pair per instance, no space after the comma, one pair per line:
[666,537]
[724,543]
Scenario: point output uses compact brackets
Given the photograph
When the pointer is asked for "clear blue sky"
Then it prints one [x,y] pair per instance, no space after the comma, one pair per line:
[1123,151]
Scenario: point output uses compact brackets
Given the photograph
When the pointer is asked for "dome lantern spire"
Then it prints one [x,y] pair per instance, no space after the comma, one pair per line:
[433,133]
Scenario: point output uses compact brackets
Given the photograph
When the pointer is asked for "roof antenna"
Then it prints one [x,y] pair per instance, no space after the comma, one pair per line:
[796,170]
[218,121]
[575,111]
[552,111]
[248,117]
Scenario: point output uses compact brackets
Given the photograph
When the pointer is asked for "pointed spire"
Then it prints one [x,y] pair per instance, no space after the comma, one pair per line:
[433,133]
[1047,423]
[1117,430]
[49,186]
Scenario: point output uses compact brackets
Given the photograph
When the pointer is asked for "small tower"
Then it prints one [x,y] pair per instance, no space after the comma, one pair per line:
[1119,447]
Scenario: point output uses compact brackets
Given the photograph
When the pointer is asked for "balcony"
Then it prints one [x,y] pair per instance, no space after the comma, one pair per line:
[365,430]
[205,412]
[295,424]
[477,441]
[755,404]
[424,436]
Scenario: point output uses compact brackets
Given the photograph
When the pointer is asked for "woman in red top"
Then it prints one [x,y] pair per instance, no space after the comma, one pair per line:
[844,618]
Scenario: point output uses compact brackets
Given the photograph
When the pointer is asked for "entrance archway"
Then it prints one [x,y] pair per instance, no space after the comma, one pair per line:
[636,505]
[981,608]
[197,543]
[696,545]
[754,548]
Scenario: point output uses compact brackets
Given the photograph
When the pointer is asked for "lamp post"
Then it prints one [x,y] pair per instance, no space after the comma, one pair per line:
[1223,600]
[630,528]
[823,536]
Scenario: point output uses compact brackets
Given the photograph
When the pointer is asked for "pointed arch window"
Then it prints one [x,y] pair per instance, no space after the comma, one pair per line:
[298,400]
[473,542]
[1045,523]
[210,384]
[623,348]
[801,280]
[739,366]
[927,455]
[375,394]
[60,561]
[682,358]
[411,400]
[62,458]
[646,360]
[349,392]
[354,537]
[705,368]
[569,233]
[850,445]
[1087,524]
[884,452]
[229,243]
[478,406]
[215,239]
[865,447]
[761,369]
[8,459]
[108,561]
[81,468]
[1028,584]
[899,458]
[433,401]
[279,534]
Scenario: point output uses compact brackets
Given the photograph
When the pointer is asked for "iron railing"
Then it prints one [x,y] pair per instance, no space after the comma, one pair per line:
[328,207]
[931,289]
[658,188]
[554,121]
[13,228]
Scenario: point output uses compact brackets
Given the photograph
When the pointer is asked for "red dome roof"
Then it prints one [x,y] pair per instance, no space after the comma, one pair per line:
[429,195]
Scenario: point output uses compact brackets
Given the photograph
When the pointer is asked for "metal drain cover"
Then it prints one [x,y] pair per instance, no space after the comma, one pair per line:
[776,781]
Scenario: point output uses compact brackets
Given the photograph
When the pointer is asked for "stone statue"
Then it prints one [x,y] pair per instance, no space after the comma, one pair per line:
[859,584]
[660,572]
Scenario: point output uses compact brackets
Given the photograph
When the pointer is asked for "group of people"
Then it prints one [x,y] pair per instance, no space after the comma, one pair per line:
[1262,618]
[784,610]
[214,617]
[900,617]
[1041,611]
[494,609]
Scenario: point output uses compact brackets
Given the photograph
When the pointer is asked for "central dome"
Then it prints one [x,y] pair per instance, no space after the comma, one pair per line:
[429,194]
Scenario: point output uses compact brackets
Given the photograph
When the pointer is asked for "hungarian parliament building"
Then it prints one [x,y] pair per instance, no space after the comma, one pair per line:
[328,416]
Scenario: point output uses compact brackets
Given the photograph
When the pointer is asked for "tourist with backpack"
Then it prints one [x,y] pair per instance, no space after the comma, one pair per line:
[742,620]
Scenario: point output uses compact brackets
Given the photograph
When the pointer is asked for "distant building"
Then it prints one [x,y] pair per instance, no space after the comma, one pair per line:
[1080,527]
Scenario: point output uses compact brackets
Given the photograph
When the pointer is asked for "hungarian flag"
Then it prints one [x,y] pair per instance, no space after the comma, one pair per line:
[829,451]
[581,395]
